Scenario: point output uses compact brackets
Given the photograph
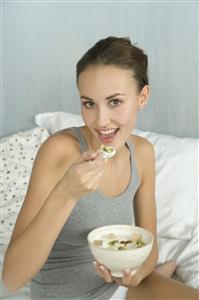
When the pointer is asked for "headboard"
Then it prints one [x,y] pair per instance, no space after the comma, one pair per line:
[42,42]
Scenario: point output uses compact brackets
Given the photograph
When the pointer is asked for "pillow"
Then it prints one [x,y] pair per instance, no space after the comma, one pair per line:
[176,184]
[176,175]
[18,152]
[55,121]
[188,262]
[185,254]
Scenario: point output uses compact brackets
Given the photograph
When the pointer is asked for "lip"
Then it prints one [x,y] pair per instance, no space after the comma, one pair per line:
[107,139]
[104,129]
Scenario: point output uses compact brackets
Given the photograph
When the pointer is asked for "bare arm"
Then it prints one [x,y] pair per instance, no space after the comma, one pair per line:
[46,208]
[145,207]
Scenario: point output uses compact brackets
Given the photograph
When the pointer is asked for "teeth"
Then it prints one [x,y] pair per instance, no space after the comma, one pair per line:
[107,131]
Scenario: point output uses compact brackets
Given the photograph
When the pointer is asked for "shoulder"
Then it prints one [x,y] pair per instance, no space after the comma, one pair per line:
[60,147]
[144,154]
[143,147]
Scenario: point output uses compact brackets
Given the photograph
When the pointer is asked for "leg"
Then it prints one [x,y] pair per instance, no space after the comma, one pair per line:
[157,287]
[167,268]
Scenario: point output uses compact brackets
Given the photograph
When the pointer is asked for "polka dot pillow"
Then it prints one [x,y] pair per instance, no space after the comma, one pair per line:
[18,152]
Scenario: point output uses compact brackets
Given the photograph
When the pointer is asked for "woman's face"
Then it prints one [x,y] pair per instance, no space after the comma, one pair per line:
[109,103]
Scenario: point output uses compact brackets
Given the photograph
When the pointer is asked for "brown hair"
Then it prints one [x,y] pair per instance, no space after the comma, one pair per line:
[118,52]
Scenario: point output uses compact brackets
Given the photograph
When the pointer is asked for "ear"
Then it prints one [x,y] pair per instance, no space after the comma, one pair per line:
[143,97]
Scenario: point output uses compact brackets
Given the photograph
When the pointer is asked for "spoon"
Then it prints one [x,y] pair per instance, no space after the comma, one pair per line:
[107,151]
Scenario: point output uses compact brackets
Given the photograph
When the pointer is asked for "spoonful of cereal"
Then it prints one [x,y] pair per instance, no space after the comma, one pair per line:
[107,151]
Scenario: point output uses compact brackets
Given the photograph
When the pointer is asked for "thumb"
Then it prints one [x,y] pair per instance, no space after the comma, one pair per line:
[86,156]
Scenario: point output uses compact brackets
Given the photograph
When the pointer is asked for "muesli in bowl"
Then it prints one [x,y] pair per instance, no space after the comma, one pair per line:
[118,247]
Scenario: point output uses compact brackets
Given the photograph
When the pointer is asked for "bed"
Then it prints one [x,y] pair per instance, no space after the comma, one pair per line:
[176,191]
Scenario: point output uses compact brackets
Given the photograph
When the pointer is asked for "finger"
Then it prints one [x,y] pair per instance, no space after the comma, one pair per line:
[130,278]
[99,159]
[98,269]
[86,156]
[106,274]
[93,179]
[127,276]
[89,169]
[96,174]
[86,166]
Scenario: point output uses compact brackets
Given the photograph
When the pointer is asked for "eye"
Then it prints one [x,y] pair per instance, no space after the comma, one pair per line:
[115,102]
[89,104]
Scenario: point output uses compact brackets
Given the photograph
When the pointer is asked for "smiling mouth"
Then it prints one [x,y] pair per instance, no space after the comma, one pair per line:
[108,132]
[107,136]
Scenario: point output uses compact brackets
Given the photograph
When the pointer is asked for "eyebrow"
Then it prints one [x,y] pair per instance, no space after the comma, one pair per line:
[107,98]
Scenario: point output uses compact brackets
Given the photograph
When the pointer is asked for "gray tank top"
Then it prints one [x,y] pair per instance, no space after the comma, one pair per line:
[69,272]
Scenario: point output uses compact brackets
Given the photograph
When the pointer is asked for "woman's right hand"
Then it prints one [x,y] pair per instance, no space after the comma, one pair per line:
[84,175]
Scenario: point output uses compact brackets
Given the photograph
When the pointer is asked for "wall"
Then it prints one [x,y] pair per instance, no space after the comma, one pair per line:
[42,41]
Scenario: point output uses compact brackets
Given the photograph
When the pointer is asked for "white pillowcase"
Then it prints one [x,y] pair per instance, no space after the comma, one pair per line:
[55,121]
[176,175]
[176,184]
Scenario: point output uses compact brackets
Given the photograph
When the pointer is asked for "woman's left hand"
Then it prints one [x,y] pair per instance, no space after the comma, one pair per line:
[130,278]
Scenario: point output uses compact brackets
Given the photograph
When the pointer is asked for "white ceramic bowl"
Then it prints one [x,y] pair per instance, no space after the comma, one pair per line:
[116,261]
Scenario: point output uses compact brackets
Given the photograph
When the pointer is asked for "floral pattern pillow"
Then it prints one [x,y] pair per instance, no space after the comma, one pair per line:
[18,152]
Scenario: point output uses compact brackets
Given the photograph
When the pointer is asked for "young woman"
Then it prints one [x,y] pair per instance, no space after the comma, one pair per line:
[73,190]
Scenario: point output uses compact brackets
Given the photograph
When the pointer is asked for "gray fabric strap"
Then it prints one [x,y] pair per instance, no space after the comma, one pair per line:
[133,162]
[82,142]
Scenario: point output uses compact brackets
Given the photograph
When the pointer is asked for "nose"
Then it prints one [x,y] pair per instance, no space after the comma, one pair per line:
[102,117]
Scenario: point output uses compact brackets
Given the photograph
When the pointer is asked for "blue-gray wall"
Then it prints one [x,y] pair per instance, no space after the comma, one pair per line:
[41,43]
